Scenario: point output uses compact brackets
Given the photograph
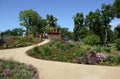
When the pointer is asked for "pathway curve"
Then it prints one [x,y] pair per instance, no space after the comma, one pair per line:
[60,70]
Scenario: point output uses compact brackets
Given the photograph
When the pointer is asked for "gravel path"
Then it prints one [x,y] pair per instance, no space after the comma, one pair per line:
[60,70]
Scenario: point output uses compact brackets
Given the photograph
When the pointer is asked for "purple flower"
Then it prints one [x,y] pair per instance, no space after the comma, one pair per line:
[101,56]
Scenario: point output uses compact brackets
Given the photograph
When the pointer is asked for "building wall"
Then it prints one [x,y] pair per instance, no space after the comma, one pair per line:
[54,35]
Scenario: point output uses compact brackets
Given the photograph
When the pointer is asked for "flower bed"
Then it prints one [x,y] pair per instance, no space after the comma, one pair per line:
[10,69]
[17,42]
[58,50]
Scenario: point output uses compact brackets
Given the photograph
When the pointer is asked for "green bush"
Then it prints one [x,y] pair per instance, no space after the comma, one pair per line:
[98,49]
[118,59]
[92,40]
[111,58]
[78,54]
[36,50]
[9,64]
[21,39]
[58,44]
[117,44]
[62,47]
[46,50]
[107,49]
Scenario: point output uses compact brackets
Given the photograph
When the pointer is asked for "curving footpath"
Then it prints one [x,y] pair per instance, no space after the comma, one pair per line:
[60,70]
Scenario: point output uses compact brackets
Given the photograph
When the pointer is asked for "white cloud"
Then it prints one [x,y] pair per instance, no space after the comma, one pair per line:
[114,23]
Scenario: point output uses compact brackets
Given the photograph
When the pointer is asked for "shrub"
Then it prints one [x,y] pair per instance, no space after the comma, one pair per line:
[98,49]
[10,69]
[78,54]
[1,41]
[111,58]
[118,59]
[36,50]
[21,39]
[106,49]
[58,44]
[92,40]
[117,44]
[46,50]
[62,47]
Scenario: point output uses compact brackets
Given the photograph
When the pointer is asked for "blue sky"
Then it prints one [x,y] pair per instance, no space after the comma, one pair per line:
[63,10]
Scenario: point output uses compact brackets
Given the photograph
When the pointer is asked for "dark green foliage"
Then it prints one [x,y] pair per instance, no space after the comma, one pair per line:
[58,44]
[111,59]
[103,49]
[107,49]
[117,7]
[31,20]
[46,50]
[36,50]
[13,32]
[63,47]
[98,49]
[1,41]
[92,40]
[117,31]
[117,44]
[51,20]
[78,24]
[118,59]
[78,54]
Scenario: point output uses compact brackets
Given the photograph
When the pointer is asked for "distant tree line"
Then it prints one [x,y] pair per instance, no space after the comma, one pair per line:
[96,24]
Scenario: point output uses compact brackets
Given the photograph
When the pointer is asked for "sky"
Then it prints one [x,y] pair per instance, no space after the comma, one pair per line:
[63,10]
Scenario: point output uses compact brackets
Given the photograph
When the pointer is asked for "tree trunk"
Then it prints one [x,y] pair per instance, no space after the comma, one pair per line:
[105,40]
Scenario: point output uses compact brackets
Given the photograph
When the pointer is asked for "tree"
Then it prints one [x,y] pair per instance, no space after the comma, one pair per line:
[117,30]
[85,32]
[117,7]
[107,13]
[98,22]
[30,19]
[89,20]
[78,24]
[64,33]
[18,32]
[7,33]
[41,25]
[94,22]
[51,20]
[92,40]
[13,32]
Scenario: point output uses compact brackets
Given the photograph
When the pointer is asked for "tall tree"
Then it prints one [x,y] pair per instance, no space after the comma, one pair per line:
[29,19]
[41,25]
[17,32]
[107,13]
[13,32]
[93,22]
[117,7]
[51,20]
[7,33]
[78,24]
[117,30]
